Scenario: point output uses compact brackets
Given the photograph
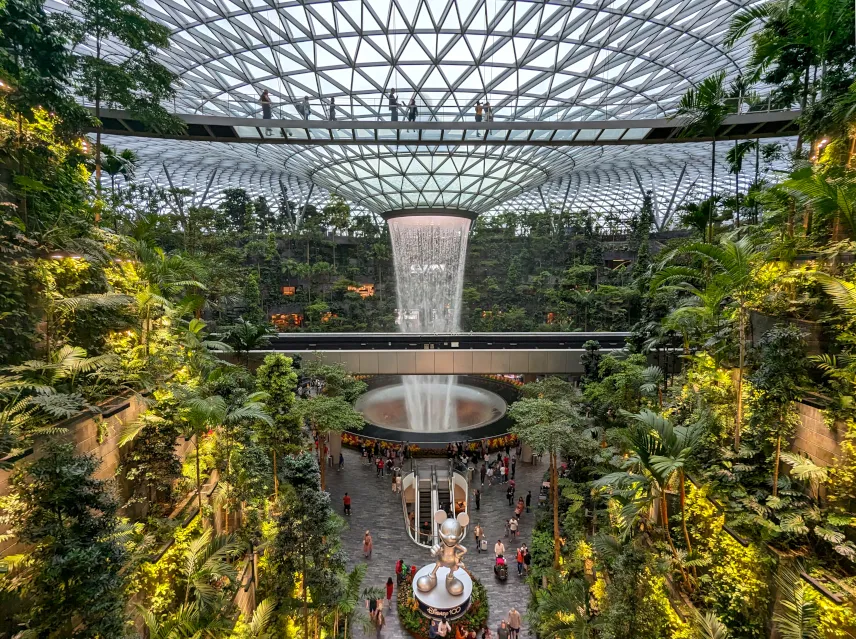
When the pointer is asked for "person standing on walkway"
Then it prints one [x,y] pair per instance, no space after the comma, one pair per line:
[304,110]
[367,545]
[483,472]
[389,587]
[509,494]
[513,526]
[346,500]
[380,622]
[514,622]
[412,110]
[520,561]
[477,496]
[393,105]
[513,464]
[528,501]
[398,483]
[499,548]
[380,465]
[443,629]
[265,101]
[478,533]
[501,474]
[393,484]
[341,461]
[502,631]
[527,559]
[331,113]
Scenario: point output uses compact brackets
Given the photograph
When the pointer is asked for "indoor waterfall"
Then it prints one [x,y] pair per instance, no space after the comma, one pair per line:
[429,254]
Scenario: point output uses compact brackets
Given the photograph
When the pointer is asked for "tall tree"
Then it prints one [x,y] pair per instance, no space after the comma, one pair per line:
[306,556]
[72,581]
[326,415]
[735,157]
[704,108]
[545,419]
[134,80]
[277,379]
[728,271]
[781,378]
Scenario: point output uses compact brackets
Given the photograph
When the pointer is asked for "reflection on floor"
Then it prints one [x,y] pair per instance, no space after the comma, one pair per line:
[374,507]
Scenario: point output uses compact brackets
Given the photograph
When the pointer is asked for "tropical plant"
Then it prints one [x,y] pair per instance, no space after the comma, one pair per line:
[728,271]
[72,578]
[563,611]
[797,615]
[735,157]
[277,378]
[207,562]
[123,163]
[136,80]
[708,626]
[703,109]
[244,336]
[545,422]
[326,415]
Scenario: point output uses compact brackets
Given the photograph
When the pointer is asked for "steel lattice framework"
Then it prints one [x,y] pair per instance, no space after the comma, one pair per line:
[533,60]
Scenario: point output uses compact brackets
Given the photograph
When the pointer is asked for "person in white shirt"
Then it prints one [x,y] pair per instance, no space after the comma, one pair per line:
[444,628]
[512,526]
[499,548]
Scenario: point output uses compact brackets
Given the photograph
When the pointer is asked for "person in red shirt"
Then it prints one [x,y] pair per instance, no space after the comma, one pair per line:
[347,502]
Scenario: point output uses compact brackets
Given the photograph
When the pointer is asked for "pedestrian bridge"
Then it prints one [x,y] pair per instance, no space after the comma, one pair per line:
[443,354]
[551,133]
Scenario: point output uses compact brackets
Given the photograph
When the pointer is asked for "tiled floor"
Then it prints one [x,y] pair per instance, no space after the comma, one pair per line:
[374,507]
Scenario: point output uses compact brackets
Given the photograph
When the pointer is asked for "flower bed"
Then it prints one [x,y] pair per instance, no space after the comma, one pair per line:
[417,624]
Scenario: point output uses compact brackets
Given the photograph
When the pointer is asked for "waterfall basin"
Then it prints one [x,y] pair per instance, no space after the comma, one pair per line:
[444,403]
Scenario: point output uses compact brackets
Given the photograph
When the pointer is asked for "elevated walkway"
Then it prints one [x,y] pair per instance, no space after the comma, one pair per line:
[554,133]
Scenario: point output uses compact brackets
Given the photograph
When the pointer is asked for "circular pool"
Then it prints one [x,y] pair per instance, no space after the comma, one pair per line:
[431,403]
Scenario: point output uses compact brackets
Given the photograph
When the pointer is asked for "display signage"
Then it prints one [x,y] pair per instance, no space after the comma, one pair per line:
[449,614]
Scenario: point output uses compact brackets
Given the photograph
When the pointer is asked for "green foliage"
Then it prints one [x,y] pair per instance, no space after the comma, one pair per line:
[277,379]
[73,582]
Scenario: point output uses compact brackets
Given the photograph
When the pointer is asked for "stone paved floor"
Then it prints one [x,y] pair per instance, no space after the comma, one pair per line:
[374,507]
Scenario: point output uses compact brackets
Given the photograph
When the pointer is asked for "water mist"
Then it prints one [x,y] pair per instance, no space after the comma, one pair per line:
[429,252]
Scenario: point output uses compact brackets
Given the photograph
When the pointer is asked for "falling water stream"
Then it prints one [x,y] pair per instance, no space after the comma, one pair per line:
[428,254]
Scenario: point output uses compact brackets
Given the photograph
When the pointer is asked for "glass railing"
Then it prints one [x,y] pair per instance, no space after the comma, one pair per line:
[360,110]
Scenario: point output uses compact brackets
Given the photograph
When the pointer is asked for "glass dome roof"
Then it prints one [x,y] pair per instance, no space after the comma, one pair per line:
[533,60]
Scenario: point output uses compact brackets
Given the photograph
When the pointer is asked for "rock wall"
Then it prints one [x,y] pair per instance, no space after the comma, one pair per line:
[90,433]
[815,438]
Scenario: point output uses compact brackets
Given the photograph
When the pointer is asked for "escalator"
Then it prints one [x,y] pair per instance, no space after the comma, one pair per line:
[426,516]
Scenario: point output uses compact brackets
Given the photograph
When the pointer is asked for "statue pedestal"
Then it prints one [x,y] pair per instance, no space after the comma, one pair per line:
[439,604]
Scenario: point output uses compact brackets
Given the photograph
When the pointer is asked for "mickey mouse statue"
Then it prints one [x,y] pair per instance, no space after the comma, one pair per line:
[448,554]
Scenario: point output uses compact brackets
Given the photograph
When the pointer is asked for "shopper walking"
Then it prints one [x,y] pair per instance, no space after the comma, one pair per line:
[514,623]
[398,483]
[528,501]
[478,533]
[509,494]
[513,464]
[502,632]
[380,466]
[389,587]
[394,485]
[346,500]
[520,561]
[341,461]
[499,548]
[527,559]
[513,526]
[380,622]
[483,472]
[443,628]
[477,496]
[393,105]
[367,545]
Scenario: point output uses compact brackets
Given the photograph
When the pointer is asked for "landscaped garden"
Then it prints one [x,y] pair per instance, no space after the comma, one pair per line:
[702,481]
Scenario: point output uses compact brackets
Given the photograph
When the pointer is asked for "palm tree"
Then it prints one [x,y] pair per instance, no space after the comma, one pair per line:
[832,195]
[563,610]
[208,413]
[326,415]
[797,615]
[123,163]
[676,447]
[244,336]
[728,268]
[735,157]
[708,626]
[704,108]
[698,216]
[162,275]
[207,560]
